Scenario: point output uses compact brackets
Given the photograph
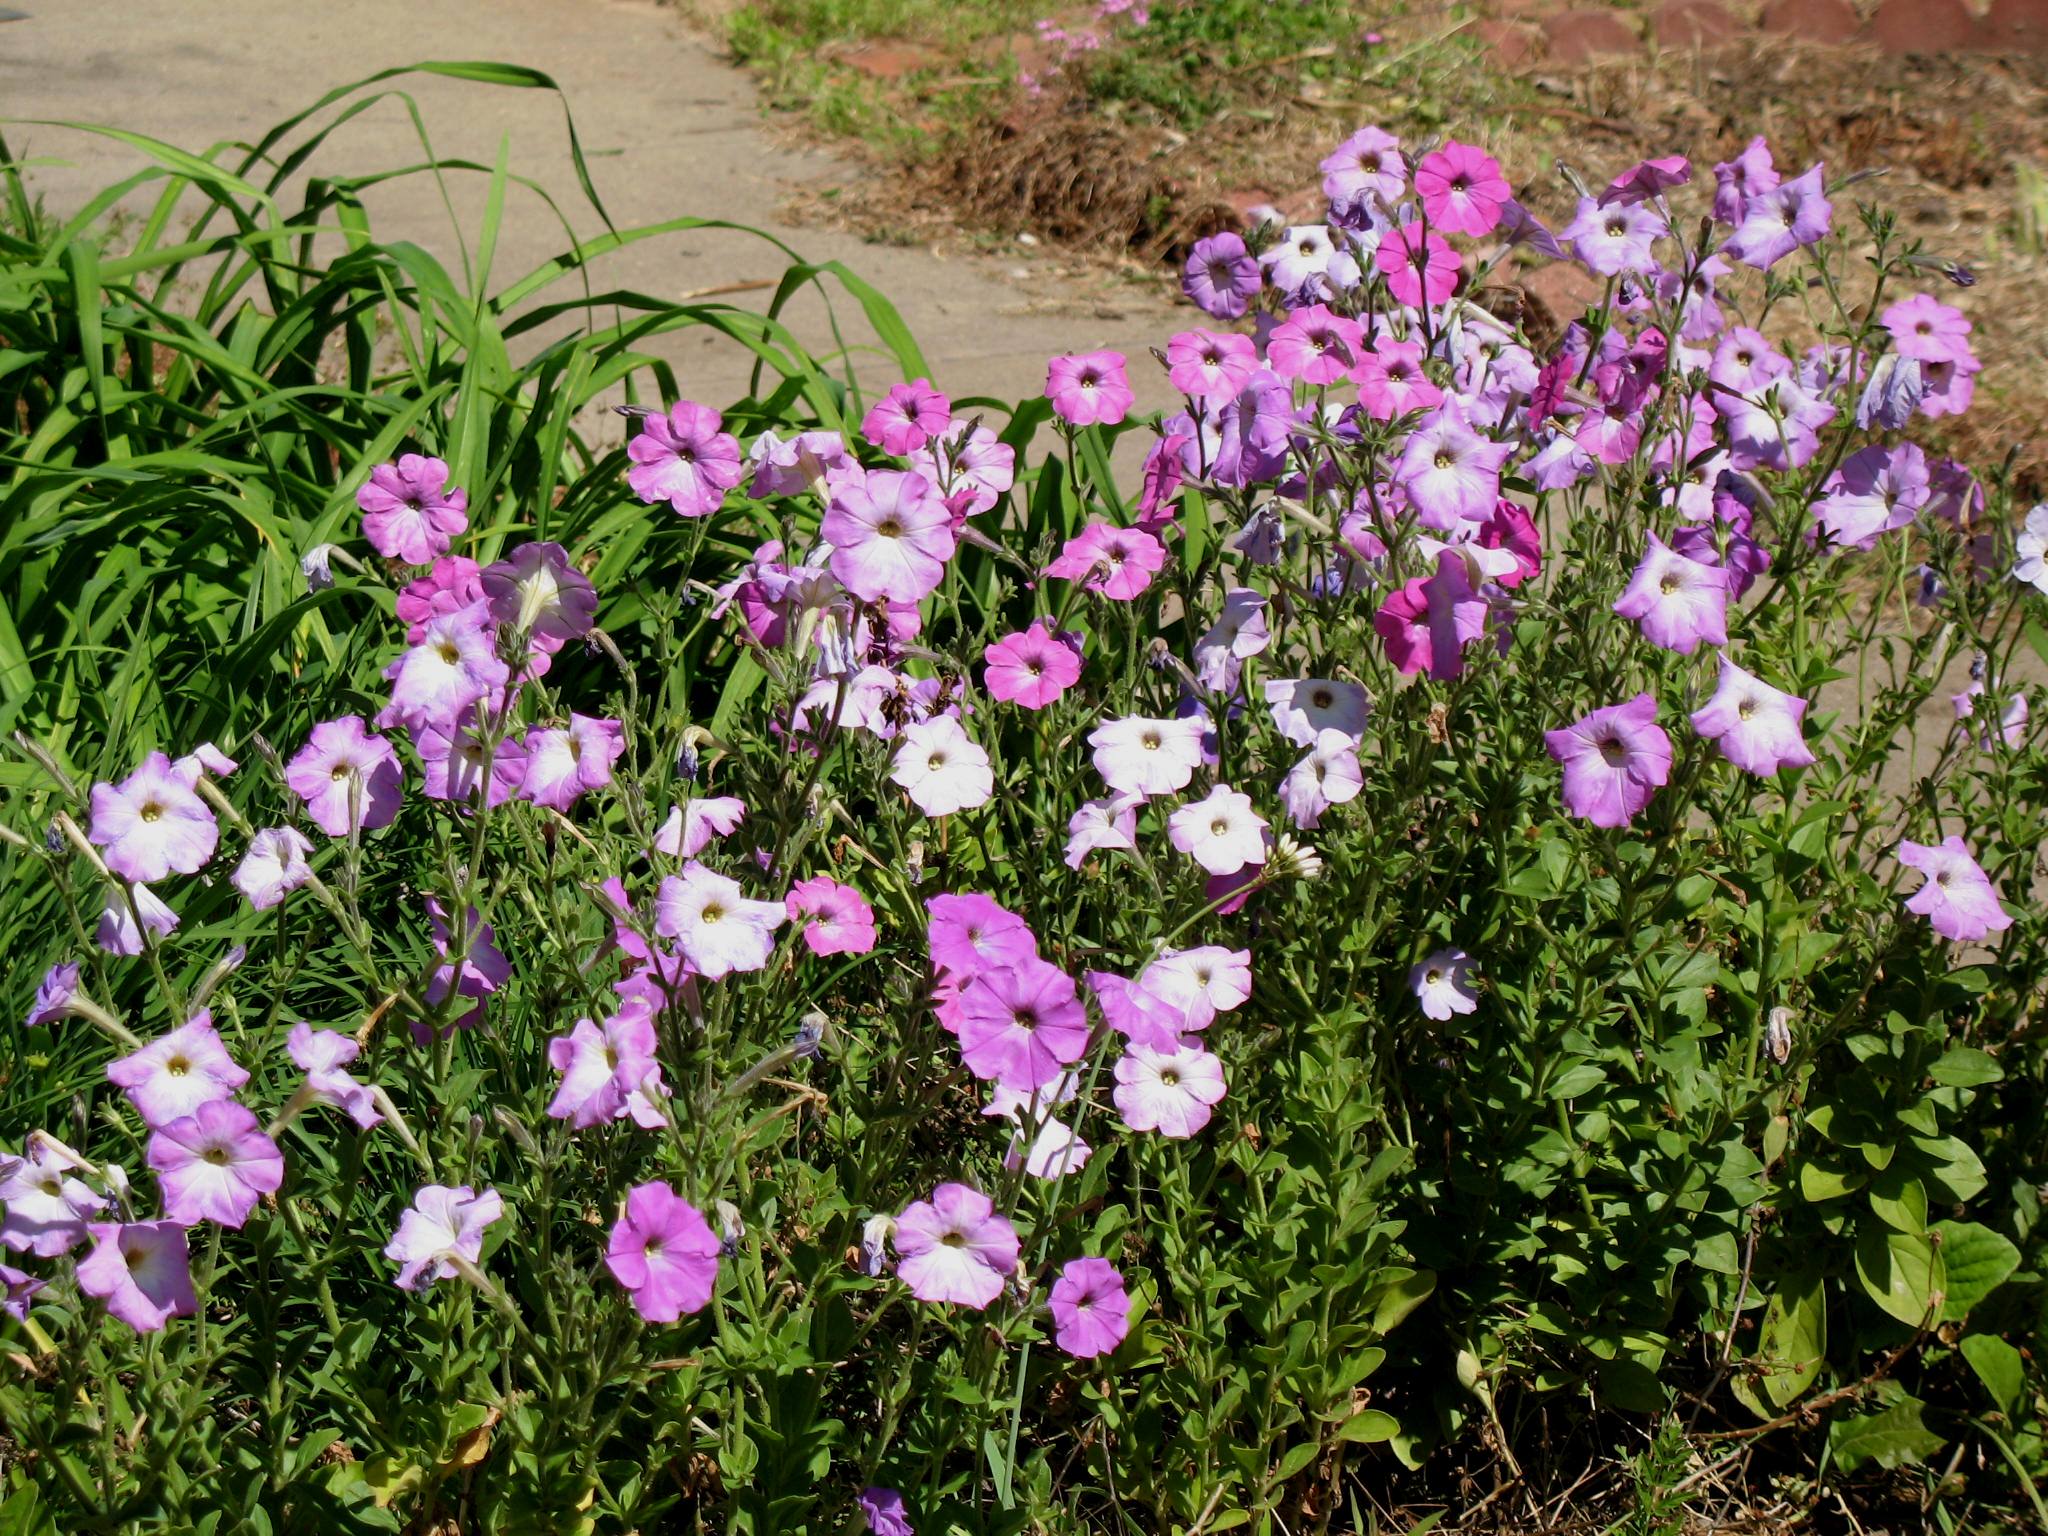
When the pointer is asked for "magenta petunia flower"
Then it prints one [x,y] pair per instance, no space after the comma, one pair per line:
[151,824]
[955,1248]
[142,1271]
[1117,562]
[1032,668]
[718,928]
[1420,266]
[1197,984]
[1958,900]
[274,866]
[348,777]
[1109,823]
[444,1223]
[836,919]
[970,933]
[1208,365]
[458,760]
[537,591]
[1221,832]
[941,767]
[118,933]
[1391,382]
[1449,471]
[1777,222]
[1462,189]
[1756,726]
[1172,1092]
[1439,984]
[53,995]
[1329,775]
[324,1056]
[1020,1025]
[1647,179]
[171,1076]
[1089,388]
[602,1066]
[883,1510]
[452,584]
[664,1253]
[1613,759]
[1221,276]
[891,536]
[409,514]
[46,1205]
[1091,1311]
[908,417]
[1615,239]
[215,1164]
[567,761]
[1304,707]
[686,459]
[1676,602]
[1147,757]
[1314,345]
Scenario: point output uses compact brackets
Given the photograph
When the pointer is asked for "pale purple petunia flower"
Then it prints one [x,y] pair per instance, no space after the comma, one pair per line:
[1221,276]
[836,919]
[1737,181]
[891,536]
[151,824]
[141,1271]
[481,970]
[1055,1151]
[718,928]
[698,823]
[1878,489]
[1648,179]
[941,767]
[18,1287]
[215,1164]
[444,1223]
[792,466]
[565,762]
[907,418]
[1088,388]
[977,464]
[1169,1091]
[955,1248]
[324,1055]
[205,758]
[1778,222]
[454,665]
[883,1510]
[1197,984]
[274,866]
[664,1253]
[1141,756]
[1108,823]
[1678,603]
[1451,474]
[1021,1025]
[118,933]
[1221,832]
[1240,631]
[347,777]
[53,995]
[1329,775]
[1440,986]
[457,760]
[1303,708]
[537,591]
[1614,240]
[685,458]
[1613,759]
[1756,726]
[1958,900]
[171,1076]
[603,1066]
[1365,169]
[409,514]
[1091,1311]
[46,1205]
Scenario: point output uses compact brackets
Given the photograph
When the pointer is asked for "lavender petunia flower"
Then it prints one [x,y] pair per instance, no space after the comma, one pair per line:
[151,824]
[1756,726]
[142,1271]
[1958,899]
[1613,759]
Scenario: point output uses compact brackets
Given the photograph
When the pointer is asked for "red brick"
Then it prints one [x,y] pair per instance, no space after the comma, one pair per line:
[1687,24]
[1813,21]
[1924,26]
[1508,43]
[1577,36]
[2017,26]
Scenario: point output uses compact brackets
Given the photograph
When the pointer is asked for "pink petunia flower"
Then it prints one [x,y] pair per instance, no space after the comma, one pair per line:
[603,1067]
[1648,179]
[1928,331]
[1439,984]
[274,866]
[664,1253]
[1391,382]
[1089,388]
[1613,759]
[883,1510]
[215,1164]
[1958,900]
[1146,757]
[1117,562]
[17,1289]
[1877,490]
[1169,1091]
[686,459]
[1032,668]
[1747,176]
[955,1248]
[718,928]
[565,762]
[697,823]
[1462,189]
[1210,365]
[975,464]
[840,921]
[324,1055]
[1677,602]
[443,1224]
[967,934]
[409,514]
[1221,832]
[941,767]
[1420,266]
[907,418]
[142,1271]
[890,534]
[348,778]
[1755,725]
[171,1076]
[1091,1311]
[1021,1025]
[1314,345]
[792,466]
[151,824]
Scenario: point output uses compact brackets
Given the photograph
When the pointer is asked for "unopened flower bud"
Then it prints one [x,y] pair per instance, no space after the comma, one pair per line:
[874,1244]
[315,567]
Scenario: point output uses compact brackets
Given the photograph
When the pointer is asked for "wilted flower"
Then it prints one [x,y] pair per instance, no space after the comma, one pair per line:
[323,1055]
[697,823]
[118,933]
[883,1510]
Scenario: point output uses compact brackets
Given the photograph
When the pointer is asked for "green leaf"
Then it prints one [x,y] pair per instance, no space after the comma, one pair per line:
[1901,1272]
[1400,1293]
[1899,1202]
[1964,1066]
[1821,1181]
[1999,1366]
[1369,1427]
[1978,1261]
[1894,1438]
[1793,1341]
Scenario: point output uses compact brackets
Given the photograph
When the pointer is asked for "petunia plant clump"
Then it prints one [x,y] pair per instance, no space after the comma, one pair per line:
[1484,908]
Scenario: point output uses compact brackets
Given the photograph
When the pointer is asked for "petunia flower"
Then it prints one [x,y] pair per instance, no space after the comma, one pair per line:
[697,823]
[1099,825]
[1055,1151]
[1615,239]
[907,417]
[536,591]
[454,665]
[173,1075]
[836,919]
[1089,388]
[1221,832]
[1677,603]
[883,1510]
[151,824]
[1031,668]
[1117,562]
[1756,726]
[1438,982]
[564,762]
[1314,345]
[1736,182]
[348,778]
[664,1253]
[481,970]
[891,536]
[1613,759]
[324,1055]
[1169,1091]
[215,1164]
[718,928]
[602,1066]
[1091,1311]
[1365,170]
[409,514]
[1329,775]
[1391,382]
[274,866]
[941,767]
[1141,756]
[1197,984]
[1303,708]
[685,458]
[1240,631]
[1420,266]
[1449,471]
[1777,222]
[791,466]
[1021,1025]
[955,1248]
[1958,899]
[53,995]
[458,760]
[1210,365]
[1220,276]
[118,933]
[1648,179]
[443,1224]
[17,1288]
[1877,489]
[142,1271]
[1461,188]
[46,1205]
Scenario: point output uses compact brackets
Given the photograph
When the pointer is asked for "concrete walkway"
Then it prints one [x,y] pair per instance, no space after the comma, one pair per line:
[668,127]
